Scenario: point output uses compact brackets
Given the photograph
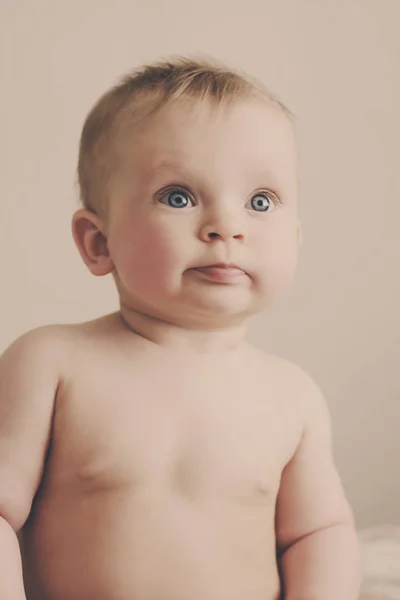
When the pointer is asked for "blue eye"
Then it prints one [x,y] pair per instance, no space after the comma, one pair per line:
[261,203]
[178,199]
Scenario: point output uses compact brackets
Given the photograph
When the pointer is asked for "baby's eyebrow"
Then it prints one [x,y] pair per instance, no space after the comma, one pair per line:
[264,173]
[160,169]
[255,173]
[258,177]
[167,165]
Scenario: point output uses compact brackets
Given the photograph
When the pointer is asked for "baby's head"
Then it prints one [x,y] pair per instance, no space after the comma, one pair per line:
[183,165]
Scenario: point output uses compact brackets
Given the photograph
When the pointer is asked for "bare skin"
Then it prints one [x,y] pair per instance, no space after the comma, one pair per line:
[154,454]
[156,487]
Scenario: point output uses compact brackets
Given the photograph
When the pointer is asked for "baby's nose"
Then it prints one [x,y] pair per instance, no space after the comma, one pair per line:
[224,227]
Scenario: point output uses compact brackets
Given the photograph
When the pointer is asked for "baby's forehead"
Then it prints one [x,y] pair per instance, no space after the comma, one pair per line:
[255,142]
[196,117]
[180,134]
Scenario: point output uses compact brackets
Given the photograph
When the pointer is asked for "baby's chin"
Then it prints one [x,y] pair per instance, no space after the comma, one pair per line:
[194,313]
[221,311]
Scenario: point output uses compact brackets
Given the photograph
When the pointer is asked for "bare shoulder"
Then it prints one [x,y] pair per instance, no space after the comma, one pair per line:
[308,394]
[46,343]
[300,393]
[300,386]
[51,345]
[308,390]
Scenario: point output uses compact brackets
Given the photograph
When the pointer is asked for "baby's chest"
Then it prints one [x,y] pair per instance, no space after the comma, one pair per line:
[191,441]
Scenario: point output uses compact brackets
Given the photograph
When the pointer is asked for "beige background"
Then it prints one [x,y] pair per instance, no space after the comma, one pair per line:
[336,65]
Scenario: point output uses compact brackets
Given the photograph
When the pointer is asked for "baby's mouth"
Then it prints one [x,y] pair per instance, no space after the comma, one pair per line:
[222,272]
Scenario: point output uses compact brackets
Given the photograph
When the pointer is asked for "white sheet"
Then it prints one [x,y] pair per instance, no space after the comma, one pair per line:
[380,551]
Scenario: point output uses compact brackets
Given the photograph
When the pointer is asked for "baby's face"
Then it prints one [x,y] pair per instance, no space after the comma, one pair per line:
[199,187]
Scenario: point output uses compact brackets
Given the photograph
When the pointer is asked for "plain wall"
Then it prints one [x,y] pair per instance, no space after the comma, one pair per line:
[335,63]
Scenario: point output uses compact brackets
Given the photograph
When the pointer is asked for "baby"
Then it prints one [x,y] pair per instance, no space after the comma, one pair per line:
[154,454]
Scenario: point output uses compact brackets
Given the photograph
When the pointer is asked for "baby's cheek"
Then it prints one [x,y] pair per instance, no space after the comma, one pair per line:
[150,259]
[279,265]
[168,248]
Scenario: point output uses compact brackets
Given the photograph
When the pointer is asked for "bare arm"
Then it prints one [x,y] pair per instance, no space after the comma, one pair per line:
[317,545]
[28,384]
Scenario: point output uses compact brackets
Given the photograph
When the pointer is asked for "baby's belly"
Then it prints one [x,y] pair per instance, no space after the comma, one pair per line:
[125,544]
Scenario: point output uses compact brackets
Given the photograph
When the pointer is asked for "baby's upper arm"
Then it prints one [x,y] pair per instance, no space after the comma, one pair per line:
[29,378]
[311,495]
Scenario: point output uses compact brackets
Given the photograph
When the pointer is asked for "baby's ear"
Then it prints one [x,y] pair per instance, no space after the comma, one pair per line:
[87,229]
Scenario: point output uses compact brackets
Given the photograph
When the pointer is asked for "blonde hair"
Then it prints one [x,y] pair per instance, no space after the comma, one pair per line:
[143,93]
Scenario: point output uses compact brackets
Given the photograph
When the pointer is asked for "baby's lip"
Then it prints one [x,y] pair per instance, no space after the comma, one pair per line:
[221,265]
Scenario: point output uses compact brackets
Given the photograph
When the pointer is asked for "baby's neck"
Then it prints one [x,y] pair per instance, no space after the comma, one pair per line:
[192,341]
